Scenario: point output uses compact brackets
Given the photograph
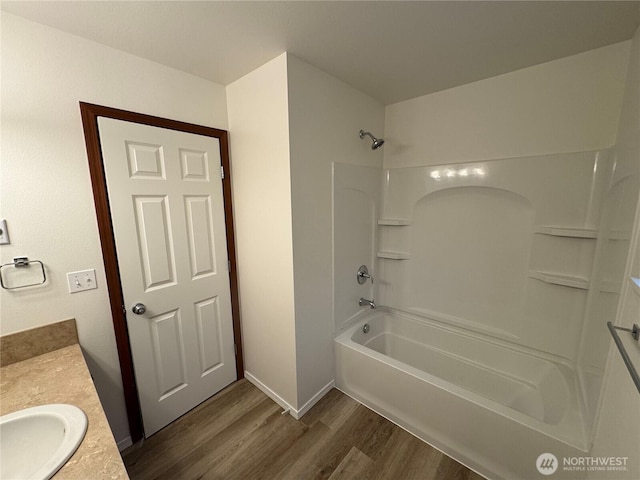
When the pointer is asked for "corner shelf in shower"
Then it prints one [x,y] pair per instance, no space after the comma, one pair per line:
[394,222]
[393,255]
[561,231]
[572,281]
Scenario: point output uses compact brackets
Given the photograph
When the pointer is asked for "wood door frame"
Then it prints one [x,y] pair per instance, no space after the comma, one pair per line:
[90,114]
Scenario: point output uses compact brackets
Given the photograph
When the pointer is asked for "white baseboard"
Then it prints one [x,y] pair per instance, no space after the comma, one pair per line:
[124,443]
[268,392]
[295,413]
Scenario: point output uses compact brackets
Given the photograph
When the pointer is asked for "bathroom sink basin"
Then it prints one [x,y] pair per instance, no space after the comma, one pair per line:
[36,442]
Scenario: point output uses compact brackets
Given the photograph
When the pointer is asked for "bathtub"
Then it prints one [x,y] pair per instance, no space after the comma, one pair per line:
[492,406]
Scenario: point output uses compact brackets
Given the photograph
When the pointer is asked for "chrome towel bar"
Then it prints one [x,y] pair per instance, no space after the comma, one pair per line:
[22,262]
[635,333]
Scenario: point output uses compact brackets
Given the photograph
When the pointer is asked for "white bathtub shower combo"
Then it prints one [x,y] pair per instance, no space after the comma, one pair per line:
[443,385]
[491,280]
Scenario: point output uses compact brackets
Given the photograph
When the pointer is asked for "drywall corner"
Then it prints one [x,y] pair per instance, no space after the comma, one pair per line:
[260,162]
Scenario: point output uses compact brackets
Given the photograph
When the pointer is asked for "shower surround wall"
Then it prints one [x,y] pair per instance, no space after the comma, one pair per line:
[356,207]
[503,248]
[545,139]
[504,212]
[618,414]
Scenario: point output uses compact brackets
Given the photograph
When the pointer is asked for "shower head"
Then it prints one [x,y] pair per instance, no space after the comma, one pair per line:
[377,142]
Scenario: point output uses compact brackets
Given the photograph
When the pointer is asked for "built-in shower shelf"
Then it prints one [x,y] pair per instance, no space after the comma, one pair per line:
[394,255]
[572,281]
[618,235]
[610,286]
[559,231]
[394,222]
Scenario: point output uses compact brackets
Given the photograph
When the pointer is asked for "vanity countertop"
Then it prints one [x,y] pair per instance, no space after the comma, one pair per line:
[62,376]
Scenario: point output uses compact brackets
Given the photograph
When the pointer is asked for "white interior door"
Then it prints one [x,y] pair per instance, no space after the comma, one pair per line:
[165,196]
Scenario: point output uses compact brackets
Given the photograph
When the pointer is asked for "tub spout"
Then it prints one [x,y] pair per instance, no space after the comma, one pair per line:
[363,301]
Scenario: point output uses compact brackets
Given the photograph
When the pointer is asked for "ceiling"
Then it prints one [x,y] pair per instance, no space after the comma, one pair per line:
[391,50]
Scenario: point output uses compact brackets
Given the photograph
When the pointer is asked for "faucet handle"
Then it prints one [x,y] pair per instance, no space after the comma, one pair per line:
[363,274]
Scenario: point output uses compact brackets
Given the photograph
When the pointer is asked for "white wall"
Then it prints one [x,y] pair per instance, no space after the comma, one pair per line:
[259,140]
[567,105]
[628,140]
[618,428]
[325,116]
[45,187]
[288,123]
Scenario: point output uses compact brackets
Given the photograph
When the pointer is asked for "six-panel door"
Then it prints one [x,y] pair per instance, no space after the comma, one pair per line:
[165,196]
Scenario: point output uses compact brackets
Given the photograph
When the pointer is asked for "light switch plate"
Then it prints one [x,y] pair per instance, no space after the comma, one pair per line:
[81,280]
[4,233]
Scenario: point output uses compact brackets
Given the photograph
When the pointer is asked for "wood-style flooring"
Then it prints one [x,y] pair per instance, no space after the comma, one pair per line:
[240,434]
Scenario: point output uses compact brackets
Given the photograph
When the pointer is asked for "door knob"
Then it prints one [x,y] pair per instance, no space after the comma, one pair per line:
[139,308]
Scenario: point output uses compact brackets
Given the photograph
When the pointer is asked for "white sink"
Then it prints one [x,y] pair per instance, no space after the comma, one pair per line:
[36,442]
